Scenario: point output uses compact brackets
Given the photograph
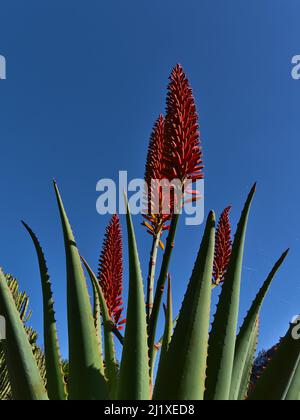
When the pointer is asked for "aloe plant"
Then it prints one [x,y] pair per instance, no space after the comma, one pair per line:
[195,360]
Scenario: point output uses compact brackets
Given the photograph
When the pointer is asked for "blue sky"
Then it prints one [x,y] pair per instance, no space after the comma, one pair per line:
[86,80]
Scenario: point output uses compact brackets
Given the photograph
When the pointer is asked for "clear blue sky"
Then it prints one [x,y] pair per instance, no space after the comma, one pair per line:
[86,81]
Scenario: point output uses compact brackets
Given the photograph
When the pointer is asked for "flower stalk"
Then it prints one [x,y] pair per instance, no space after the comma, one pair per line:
[151,274]
[170,244]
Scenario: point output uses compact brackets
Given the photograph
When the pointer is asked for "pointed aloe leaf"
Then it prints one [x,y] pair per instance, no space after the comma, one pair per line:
[275,382]
[159,343]
[182,375]
[243,339]
[24,375]
[168,329]
[97,315]
[169,320]
[87,381]
[55,380]
[223,335]
[248,365]
[109,345]
[134,381]
[294,389]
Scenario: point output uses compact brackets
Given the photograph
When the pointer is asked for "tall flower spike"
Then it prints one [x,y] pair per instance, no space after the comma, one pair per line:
[223,247]
[111,271]
[182,154]
[155,220]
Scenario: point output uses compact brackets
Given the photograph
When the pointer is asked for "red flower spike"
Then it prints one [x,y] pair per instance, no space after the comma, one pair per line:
[110,273]
[155,171]
[223,247]
[182,152]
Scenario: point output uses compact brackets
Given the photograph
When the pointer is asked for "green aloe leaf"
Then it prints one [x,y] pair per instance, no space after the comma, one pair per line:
[275,382]
[56,387]
[248,365]
[183,371]
[134,381]
[110,353]
[24,375]
[168,329]
[294,389]
[223,335]
[159,344]
[97,314]
[87,380]
[243,339]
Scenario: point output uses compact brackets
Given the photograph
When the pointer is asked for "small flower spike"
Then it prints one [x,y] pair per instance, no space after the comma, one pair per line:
[223,247]
[111,271]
